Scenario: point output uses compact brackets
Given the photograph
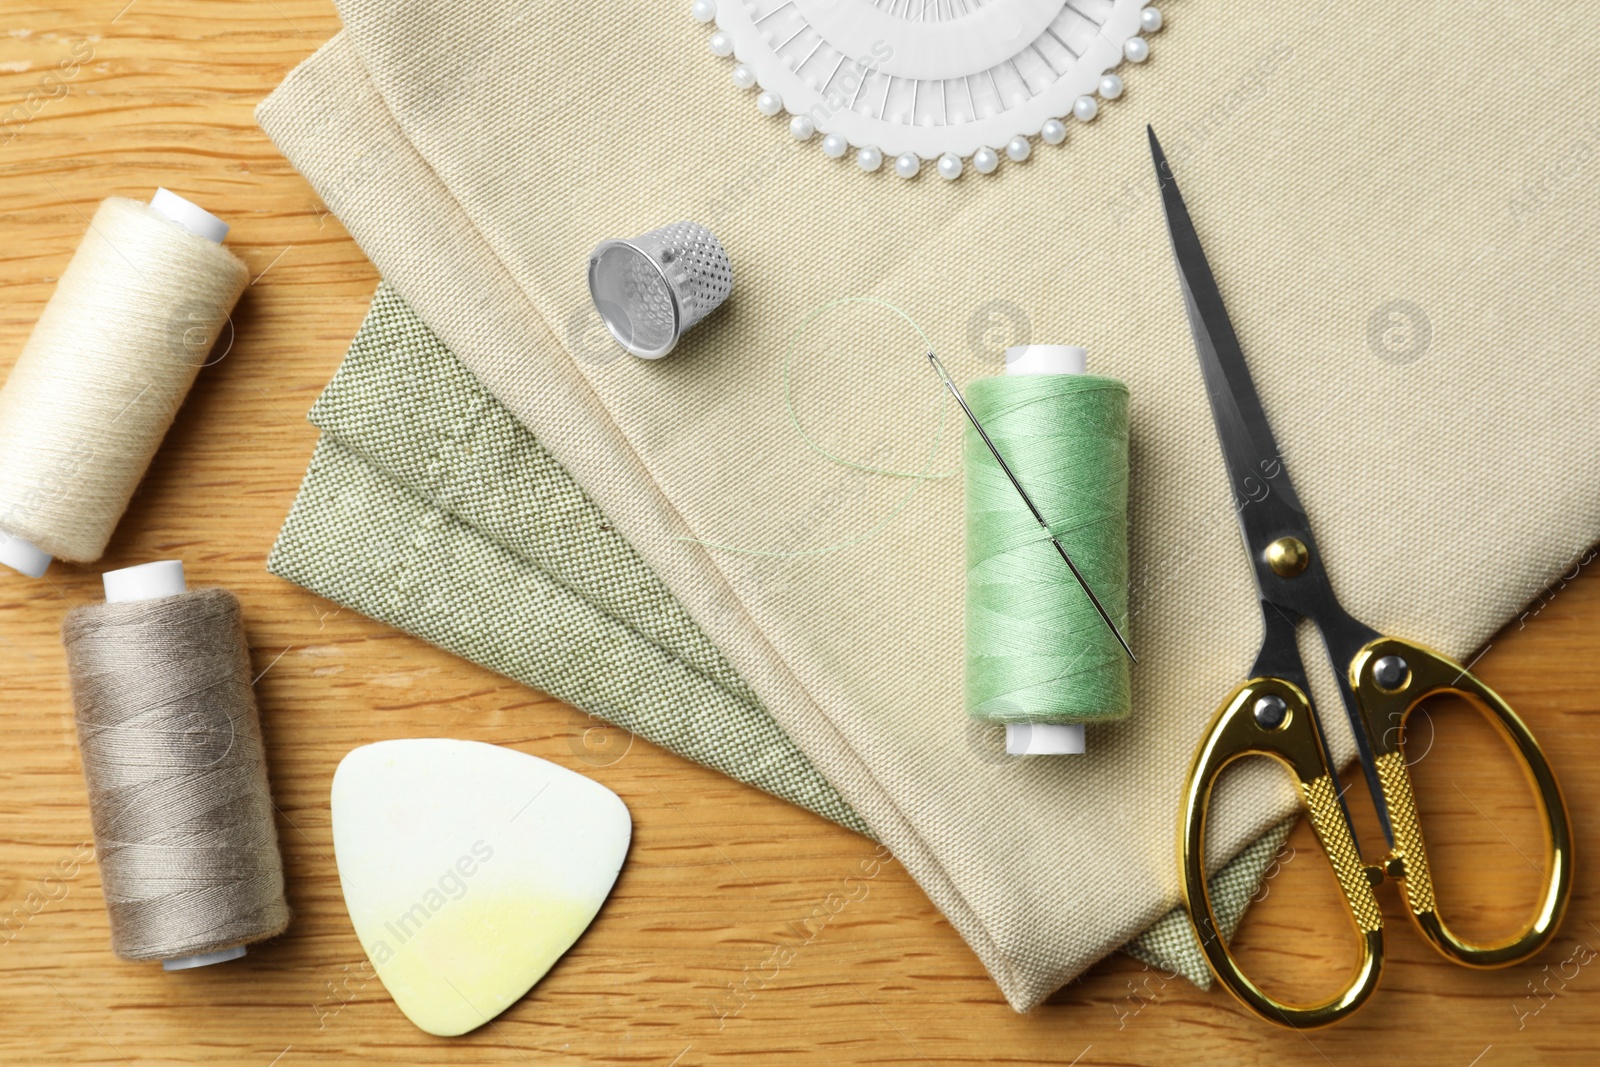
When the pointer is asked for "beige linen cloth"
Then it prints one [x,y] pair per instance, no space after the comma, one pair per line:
[1407,245]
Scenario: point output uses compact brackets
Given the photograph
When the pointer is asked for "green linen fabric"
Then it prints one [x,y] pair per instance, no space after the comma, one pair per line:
[1170,944]
[429,507]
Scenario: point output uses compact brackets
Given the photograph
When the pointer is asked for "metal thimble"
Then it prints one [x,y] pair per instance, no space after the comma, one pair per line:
[651,289]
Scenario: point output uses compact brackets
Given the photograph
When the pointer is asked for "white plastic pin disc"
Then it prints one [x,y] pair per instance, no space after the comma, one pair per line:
[189,963]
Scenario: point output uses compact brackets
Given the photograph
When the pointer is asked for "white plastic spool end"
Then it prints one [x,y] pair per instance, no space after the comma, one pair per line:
[189,963]
[1045,738]
[1046,359]
[148,581]
[192,217]
[23,556]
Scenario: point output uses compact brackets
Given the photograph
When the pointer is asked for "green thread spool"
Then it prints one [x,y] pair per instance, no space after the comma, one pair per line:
[1039,658]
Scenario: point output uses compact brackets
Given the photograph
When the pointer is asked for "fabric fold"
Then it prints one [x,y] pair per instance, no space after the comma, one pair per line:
[428,507]
[1378,314]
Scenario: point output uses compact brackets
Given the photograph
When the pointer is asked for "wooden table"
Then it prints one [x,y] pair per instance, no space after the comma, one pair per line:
[675,971]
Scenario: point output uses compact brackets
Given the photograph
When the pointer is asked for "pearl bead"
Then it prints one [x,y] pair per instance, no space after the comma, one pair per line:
[721,44]
[703,10]
[743,76]
[1085,108]
[1111,87]
[834,145]
[1137,49]
[1052,132]
[1150,19]
[949,166]
[801,128]
[907,165]
[869,159]
[1018,149]
[985,160]
[769,103]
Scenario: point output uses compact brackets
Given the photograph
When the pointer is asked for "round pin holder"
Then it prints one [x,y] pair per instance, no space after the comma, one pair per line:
[905,85]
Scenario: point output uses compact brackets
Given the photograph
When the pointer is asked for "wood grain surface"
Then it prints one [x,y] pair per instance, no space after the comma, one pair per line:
[700,956]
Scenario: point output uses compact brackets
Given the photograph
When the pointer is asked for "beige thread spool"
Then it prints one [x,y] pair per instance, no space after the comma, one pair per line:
[174,763]
[104,372]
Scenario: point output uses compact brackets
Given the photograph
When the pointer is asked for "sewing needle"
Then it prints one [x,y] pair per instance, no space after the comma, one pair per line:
[1026,499]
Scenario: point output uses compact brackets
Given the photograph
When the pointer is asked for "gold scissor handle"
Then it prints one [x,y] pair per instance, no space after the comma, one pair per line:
[1426,673]
[1249,723]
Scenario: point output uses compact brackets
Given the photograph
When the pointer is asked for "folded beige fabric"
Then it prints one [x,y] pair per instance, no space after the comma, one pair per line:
[428,506]
[1407,253]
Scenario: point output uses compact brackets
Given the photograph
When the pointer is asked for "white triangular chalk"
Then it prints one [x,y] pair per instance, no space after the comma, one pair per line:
[469,869]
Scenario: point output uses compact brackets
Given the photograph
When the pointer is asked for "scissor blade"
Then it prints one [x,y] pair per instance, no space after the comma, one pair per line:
[1255,464]
[1265,501]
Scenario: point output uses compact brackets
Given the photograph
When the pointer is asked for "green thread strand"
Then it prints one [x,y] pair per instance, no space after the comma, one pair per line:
[1037,651]
[917,477]
[788,388]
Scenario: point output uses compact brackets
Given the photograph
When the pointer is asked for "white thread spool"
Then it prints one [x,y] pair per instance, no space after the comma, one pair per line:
[1045,738]
[109,362]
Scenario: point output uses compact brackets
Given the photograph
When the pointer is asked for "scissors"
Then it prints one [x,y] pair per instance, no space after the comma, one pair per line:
[1381,680]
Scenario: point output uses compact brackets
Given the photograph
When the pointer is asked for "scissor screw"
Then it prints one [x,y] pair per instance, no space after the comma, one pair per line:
[1391,673]
[1271,711]
[1287,556]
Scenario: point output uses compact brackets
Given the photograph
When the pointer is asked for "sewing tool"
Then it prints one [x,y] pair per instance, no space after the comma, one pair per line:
[1381,680]
[929,83]
[1028,501]
[1038,659]
[469,869]
[652,289]
[104,372]
[172,755]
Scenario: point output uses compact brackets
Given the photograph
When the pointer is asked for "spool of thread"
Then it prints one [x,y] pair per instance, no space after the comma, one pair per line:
[110,361]
[172,754]
[1039,657]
